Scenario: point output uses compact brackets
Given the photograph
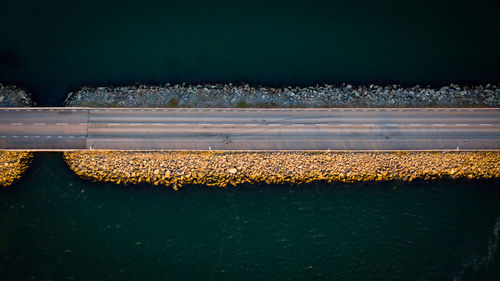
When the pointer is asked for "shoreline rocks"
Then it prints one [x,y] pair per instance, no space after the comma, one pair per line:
[13,163]
[221,169]
[229,95]
[13,96]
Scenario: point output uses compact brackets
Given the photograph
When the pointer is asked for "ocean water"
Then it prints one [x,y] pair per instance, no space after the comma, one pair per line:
[55,226]
[54,46]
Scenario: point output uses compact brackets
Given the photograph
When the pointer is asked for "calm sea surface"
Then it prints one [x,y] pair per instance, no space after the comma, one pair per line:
[54,226]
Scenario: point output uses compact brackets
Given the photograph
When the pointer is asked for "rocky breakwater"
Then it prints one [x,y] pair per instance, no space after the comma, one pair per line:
[13,163]
[229,95]
[13,96]
[220,169]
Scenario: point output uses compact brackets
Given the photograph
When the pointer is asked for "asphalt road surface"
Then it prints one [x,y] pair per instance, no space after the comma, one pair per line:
[249,129]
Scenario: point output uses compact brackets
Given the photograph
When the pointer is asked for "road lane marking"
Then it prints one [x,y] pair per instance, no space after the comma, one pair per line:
[249,124]
[158,124]
[181,124]
[485,124]
[461,125]
[61,124]
[415,125]
[83,124]
[227,124]
[298,125]
[39,124]
[204,124]
[392,125]
[16,124]
[113,124]
[438,125]
[135,124]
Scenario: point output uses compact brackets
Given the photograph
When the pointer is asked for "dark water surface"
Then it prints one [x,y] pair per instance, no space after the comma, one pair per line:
[55,46]
[55,226]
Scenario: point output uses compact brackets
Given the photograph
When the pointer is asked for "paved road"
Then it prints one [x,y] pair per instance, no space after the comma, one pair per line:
[249,129]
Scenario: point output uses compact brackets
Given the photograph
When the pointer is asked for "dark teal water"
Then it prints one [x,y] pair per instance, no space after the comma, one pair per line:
[55,46]
[55,226]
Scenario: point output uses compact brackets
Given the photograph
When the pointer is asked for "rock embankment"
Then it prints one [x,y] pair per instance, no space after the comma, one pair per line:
[13,96]
[229,95]
[177,169]
[13,163]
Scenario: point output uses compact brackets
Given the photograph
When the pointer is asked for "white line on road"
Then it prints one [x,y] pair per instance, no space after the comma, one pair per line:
[16,124]
[462,125]
[39,124]
[61,124]
[181,124]
[485,124]
[415,125]
[438,125]
[392,125]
